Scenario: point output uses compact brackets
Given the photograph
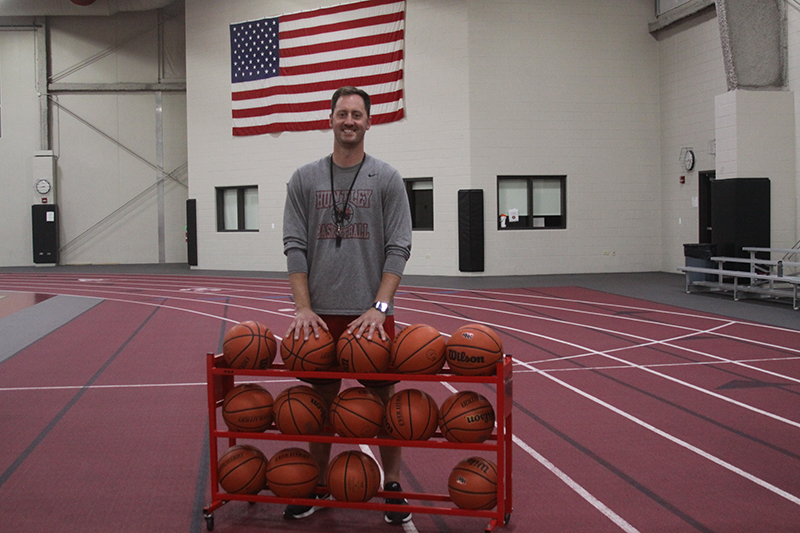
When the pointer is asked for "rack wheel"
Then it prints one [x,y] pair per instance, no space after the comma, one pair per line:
[209,521]
[507,518]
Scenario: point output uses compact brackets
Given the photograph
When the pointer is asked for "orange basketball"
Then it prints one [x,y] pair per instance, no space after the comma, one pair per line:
[242,470]
[309,354]
[249,345]
[353,476]
[292,473]
[418,349]
[363,355]
[411,415]
[466,416]
[357,412]
[248,407]
[300,410]
[473,484]
[474,350]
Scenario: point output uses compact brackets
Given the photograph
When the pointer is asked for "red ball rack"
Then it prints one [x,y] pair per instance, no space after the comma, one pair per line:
[220,380]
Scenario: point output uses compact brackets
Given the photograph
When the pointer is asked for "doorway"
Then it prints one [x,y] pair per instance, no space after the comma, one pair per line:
[704,179]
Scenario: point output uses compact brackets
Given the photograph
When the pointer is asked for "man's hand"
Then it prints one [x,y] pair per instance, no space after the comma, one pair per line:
[305,322]
[370,322]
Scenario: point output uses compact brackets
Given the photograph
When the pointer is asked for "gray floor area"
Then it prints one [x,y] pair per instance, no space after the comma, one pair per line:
[662,287]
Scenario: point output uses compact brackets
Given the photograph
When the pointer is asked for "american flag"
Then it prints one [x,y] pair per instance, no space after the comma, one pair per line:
[285,69]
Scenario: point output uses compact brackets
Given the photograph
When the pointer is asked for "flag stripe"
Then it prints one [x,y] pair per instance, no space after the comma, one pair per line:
[341,45]
[284,69]
[317,105]
[336,55]
[329,85]
[342,64]
[341,8]
[308,126]
[338,78]
[341,26]
[311,116]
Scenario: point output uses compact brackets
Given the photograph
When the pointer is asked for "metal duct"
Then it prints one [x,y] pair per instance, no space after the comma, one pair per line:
[25,8]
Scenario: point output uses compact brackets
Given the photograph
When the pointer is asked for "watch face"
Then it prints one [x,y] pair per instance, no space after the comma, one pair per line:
[43,186]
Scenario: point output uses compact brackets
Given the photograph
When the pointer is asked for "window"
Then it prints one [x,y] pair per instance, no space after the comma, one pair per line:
[420,198]
[237,208]
[531,202]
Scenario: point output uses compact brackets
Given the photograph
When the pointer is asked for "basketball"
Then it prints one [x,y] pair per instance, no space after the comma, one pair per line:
[363,355]
[357,412]
[474,350]
[300,410]
[242,470]
[411,415]
[473,484]
[83,2]
[248,407]
[353,476]
[309,354]
[418,349]
[466,417]
[249,346]
[292,473]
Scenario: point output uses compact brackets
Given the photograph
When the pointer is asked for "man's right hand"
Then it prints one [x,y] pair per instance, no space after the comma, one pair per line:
[305,322]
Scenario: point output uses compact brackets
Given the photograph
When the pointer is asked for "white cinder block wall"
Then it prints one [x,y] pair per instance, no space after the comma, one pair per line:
[492,88]
[692,75]
[571,87]
[19,139]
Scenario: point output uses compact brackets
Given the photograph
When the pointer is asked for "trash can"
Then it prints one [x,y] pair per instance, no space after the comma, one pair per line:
[699,255]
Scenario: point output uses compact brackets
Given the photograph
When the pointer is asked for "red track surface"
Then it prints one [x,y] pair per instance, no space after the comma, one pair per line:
[629,415]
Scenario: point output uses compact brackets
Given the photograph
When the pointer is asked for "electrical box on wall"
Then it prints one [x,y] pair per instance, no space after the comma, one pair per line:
[44,174]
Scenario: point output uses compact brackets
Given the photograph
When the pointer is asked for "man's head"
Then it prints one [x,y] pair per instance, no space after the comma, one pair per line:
[346,91]
[350,118]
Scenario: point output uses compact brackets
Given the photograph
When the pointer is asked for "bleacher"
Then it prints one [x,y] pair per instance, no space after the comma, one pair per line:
[765,278]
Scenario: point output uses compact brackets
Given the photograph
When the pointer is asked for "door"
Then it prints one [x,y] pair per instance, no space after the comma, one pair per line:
[704,180]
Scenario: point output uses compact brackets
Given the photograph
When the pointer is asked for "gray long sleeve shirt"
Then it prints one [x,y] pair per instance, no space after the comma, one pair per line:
[376,232]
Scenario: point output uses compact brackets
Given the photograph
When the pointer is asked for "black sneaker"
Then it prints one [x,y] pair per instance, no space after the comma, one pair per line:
[296,512]
[396,517]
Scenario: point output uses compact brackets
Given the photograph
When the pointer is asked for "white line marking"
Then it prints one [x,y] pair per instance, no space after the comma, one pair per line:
[127,386]
[633,365]
[716,460]
[583,493]
[572,484]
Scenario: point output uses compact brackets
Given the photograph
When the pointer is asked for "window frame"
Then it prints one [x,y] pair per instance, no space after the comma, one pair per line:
[531,219]
[241,209]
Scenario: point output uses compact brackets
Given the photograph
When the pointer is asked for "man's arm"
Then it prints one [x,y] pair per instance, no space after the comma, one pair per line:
[305,318]
[372,320]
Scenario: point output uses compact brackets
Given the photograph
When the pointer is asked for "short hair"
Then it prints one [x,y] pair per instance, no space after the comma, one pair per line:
[346,91]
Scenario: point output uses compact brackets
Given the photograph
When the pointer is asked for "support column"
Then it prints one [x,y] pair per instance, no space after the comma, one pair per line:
[755,138]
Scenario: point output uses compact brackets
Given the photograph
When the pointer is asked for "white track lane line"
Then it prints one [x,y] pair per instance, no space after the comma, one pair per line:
[714,459]
[635,366]
[693,331]
[583,493]
[568,481]
[500,326]
[660,365]
[441,292]
[409,526]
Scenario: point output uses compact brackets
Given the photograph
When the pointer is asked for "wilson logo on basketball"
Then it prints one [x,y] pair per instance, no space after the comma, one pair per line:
[484,417]
[478,463]
[462,357]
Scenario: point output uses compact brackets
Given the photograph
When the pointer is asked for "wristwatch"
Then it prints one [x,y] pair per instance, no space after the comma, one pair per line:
[381,306]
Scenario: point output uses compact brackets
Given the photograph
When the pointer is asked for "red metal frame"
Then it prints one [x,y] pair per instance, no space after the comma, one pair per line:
[220,380]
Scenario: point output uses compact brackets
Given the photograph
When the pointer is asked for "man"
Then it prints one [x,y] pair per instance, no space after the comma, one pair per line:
[347,237]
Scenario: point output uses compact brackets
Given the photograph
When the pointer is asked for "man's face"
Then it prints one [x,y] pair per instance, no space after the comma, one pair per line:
[349,120]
